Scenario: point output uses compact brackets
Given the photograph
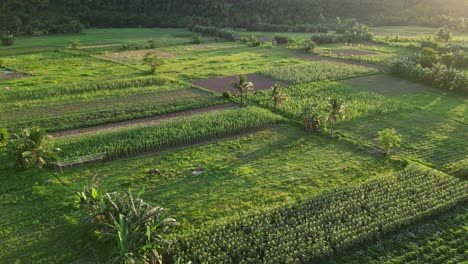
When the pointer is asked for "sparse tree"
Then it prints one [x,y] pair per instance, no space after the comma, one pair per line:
[277,95]
[4,136]
[388,139]
[32,147]
[153,61]
[337,108]
[243,86]
[444,34]
[313,120]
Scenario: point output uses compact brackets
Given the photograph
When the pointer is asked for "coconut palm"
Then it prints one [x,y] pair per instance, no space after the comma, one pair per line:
[31,147]
[337,108]
[243,86]
[278,95]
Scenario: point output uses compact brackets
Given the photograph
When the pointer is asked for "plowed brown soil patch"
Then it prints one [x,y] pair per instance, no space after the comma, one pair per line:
[223,84]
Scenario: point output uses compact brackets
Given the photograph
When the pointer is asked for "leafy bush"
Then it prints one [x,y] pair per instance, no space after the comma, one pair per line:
[4,136]
[318,227]
[153,61]
[196,39]
[169,134]
[134,227]
[308,46]
[227,34]
[282,40]
[252,41]
[8,39]
[31,148]
[150,44]
[388,139]
[438,75]
[444,34]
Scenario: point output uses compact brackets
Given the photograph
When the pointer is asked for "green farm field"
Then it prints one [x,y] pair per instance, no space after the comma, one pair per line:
[218,161]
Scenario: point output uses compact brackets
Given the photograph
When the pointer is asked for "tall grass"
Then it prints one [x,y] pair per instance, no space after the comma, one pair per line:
[174,133]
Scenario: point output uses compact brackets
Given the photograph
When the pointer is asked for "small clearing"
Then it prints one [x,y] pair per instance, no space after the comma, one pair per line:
[224,84]
[322,58]
[139,122]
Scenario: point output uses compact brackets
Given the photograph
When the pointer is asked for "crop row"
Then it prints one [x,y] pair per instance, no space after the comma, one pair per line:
[313,229]
[30,94]
[179,132]
[116,113]
[315,71]
[314,95]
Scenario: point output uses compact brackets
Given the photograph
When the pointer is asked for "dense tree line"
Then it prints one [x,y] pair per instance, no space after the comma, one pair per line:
[60,16]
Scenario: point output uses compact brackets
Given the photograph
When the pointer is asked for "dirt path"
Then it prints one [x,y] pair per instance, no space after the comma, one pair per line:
[139,122]
[357,63]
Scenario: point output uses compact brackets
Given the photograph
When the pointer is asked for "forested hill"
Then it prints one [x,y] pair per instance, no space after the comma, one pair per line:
[62,16]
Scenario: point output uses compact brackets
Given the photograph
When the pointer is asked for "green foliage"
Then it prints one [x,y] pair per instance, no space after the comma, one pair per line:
[315,228]
[7,39]
[252,41]
[223,33]
[74,44]
[32,147]
[337,108]
[308,46]
[4,136]
[427,57]
[315,71]
[169,134]
[277,95]
[314,120]
[444,34]
[438,75]
[388,139]
[134,227]
[315,96]
[153,61]
[243,86]
[282,40]
[196,39]
[435,240]
[81,88]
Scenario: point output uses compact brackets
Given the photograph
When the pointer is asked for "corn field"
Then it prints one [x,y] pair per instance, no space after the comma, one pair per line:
[315,71]
[313,229]
[32,94]
[179,132]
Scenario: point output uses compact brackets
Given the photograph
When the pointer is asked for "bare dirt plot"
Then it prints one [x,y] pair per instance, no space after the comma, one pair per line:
[352,52]
[9,75]
[322,58]
[386,85]
[223,84]
[139,122]
[133,56]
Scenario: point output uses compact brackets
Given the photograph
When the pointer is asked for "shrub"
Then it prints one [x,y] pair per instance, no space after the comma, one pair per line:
[153,61]
[74,44]
[427,57]
[227,34]
[282,40]
[150,44]
[196,39]
[388,139]
[308,46]
[134,227]
[4,136]
[444,34]
[227,94]
[31,148]
[8,39]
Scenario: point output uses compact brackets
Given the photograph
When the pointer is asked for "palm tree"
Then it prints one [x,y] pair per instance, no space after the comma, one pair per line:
[31,147]
[243,86]
[278,95]
[337,108]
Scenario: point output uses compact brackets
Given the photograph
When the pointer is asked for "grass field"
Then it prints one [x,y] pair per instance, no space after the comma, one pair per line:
[218,164]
